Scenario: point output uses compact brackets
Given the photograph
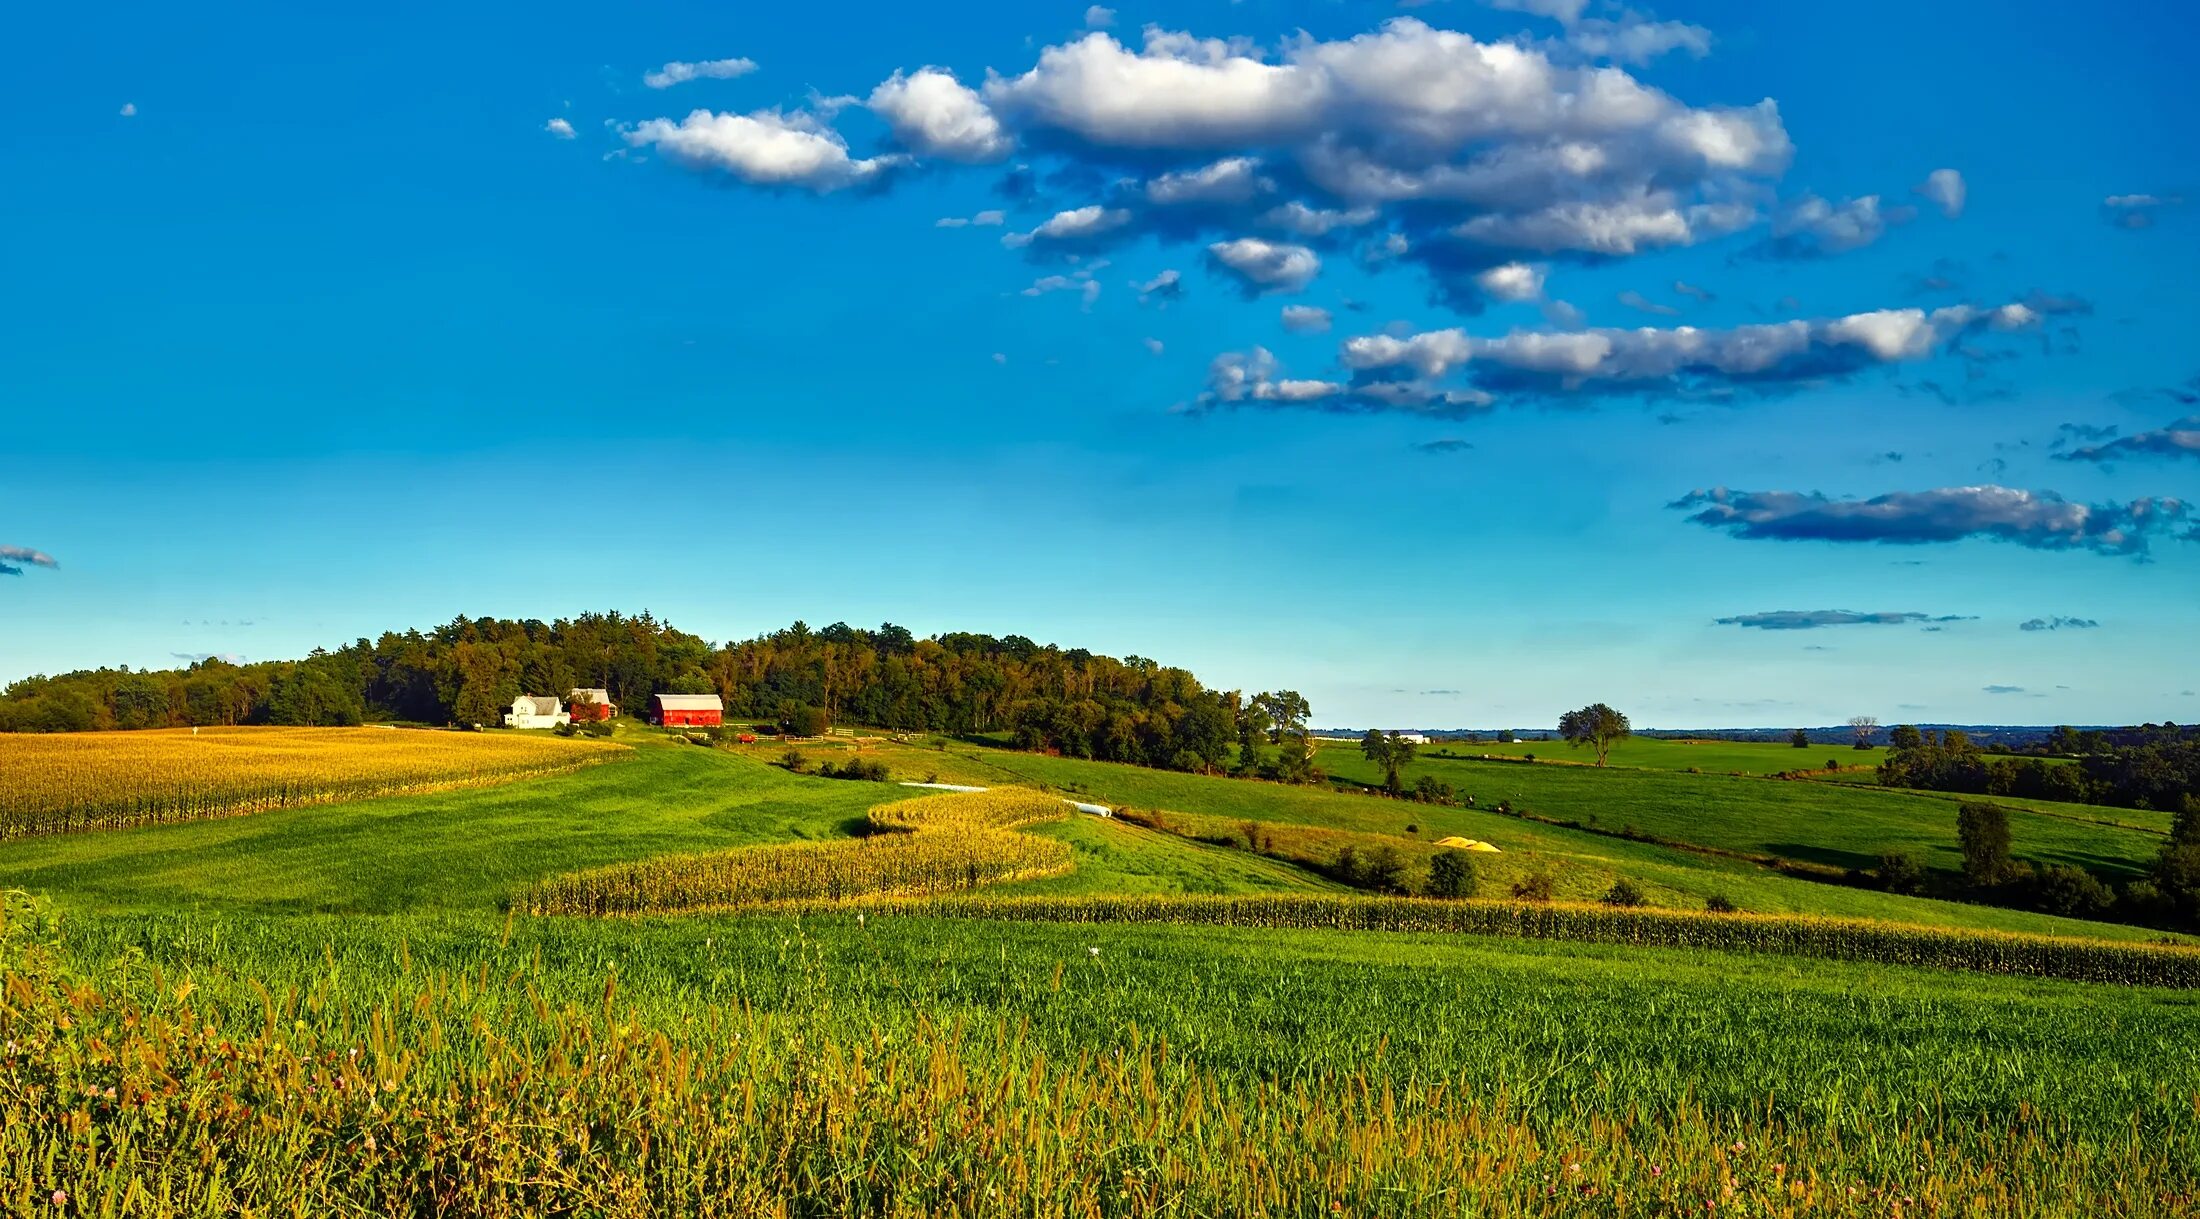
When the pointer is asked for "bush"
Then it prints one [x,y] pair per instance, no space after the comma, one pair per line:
[597,727]
[802,719]
[1717,903]
[1452,874]
[1536,887]
[794,760]
[1899,872]
[854,768]
[2074,892]
[1624,893]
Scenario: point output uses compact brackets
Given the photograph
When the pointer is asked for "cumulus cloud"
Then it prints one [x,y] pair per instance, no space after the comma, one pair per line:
[1944,189]
[1683,359]
[1565,12]
[13,559]
[1305,319]
[932,114]
[679,73]
[1254,376]
[1099,17]
[1511,281]
[2179,439]
[1634,40]
[1075,229]
[129,110]
[1460,155]
[1811,227]
[1810,620]
[1153,346]
[2039,520]
[1261,267]
[559,128]
[2057,624]
[765,148]
[1086,287]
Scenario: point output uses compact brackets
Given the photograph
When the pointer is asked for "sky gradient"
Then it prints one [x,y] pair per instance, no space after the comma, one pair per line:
[1454,364]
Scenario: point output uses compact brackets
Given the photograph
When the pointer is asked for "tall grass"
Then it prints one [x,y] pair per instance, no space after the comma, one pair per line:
[126,1090]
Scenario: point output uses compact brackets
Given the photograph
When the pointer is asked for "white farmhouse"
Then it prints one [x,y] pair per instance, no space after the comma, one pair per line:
[1415,738]
[529,711]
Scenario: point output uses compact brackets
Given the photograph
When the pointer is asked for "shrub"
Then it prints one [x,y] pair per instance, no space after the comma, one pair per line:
[1452,874]
[1535,887]
[1899,872]
[2075,892]
[1624,893]
[597,727]
[794,760]
[1717,903]
[801,719]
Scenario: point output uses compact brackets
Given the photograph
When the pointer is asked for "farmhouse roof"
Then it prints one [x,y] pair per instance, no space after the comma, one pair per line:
[529,704]
[689,702]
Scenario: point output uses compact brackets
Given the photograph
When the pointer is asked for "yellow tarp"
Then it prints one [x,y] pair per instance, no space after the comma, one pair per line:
[1467,844]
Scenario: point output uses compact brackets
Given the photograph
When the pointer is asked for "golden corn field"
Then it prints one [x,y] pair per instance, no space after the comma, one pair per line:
[925,845]
[63,782]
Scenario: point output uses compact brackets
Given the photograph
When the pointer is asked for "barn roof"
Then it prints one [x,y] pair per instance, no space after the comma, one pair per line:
[688,702]
[593,694]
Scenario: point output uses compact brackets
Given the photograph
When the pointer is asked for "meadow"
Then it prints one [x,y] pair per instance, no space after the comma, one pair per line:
[346,1008]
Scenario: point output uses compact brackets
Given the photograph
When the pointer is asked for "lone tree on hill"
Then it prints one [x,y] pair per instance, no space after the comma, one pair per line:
[1389,751]
[1983,830]
[1865,726]
[1595,725]
[1800,739]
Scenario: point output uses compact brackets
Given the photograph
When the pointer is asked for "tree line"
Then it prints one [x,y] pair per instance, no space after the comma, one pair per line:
[468,671]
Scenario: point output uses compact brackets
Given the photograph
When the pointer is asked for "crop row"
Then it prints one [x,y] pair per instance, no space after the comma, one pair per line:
[66,782]
[2076,959]
[924,846]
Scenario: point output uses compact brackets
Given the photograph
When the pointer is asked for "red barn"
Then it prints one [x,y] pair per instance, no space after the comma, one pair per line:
[689,710]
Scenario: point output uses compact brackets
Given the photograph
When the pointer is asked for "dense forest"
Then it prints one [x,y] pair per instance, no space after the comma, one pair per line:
[469,670]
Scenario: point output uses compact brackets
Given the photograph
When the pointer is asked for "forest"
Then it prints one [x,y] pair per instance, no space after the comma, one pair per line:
[468,670]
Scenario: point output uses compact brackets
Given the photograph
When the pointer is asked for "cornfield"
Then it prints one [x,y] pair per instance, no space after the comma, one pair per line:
[2075,959]
[470,1093]
[64,782]
[925,846]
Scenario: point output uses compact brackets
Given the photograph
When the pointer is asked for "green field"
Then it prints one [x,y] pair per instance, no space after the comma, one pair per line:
[740,1049]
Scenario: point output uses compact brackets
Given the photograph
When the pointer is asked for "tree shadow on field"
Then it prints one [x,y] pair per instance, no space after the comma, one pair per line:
[1832,857]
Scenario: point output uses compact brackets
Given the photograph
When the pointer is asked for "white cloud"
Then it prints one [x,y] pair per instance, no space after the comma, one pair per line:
[1511,281]
[1635,41]
[1082,284]
[1946,190]
[1565,12]
[985,219]
[678,72]
[559,128]
[1077,225]
[129,110]
[1648,358]
[1266,266]
[1166,286]
[766,148]
[1230,180]
[1251,376]
[1153,345]
[1812,227]
[1305,319]
[1297,218]
[935,115]
[1611,228]
[1099,17]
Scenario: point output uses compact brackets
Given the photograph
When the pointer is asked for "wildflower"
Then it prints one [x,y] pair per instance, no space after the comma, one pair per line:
[1657,1170]
[61,1197]
[1095,951]
[1573,1168]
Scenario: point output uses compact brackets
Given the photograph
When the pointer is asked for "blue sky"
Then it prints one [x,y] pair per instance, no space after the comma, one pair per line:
[316,327]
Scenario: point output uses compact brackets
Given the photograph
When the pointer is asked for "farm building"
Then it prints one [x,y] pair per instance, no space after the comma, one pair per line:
[1416,738]
[529,711]
[592,703]
[693,710]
